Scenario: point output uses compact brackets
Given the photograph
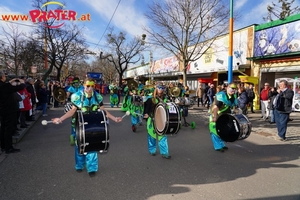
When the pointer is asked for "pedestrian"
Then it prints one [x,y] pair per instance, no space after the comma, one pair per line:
[251,97]
[26,106]
[8,111]
[158,96]
[30,89]
[55,86]
[242,100]
[283,107]
[264,93]
[272,95]
[224,102]
[37,89]
[87,101]
[211,94]
[43,94]
[224,86]
[199,94]
[205,97]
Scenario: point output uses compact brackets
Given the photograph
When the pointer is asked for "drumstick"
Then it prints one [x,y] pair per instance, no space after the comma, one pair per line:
[45,122]
[126,114]
[139,114]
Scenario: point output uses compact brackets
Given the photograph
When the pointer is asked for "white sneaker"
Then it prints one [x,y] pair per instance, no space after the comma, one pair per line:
[45,115]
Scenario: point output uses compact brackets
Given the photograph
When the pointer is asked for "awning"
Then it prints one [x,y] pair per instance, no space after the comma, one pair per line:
[207,75]
[241,71]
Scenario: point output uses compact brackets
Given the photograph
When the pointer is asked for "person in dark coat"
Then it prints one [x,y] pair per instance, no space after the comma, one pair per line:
[31,90]
[283,107]
[8,111]
[37,89]
[272,95]
[242,100]
[43,94]
[251,97]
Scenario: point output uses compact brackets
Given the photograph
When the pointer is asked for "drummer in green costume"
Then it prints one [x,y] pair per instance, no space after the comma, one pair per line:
[126,99]
[113,98]
[158,96]
[225,102]
[136,108]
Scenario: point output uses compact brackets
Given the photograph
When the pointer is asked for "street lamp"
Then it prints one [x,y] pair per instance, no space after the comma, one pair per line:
[150,54]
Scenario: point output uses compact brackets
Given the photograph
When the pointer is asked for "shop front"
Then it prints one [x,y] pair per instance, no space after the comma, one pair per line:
[276,50]
[214,62]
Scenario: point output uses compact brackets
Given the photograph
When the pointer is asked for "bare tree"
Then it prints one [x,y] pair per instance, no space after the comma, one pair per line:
[281,11]
[63,44]
[106,68]
[30,55]
[122,52]
[187,28]
[70,45]
[13,49]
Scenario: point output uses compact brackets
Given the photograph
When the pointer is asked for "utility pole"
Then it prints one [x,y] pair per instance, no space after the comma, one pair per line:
[45,49]
[230,58]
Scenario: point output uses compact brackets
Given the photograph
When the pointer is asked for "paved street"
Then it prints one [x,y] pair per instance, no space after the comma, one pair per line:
[259,167]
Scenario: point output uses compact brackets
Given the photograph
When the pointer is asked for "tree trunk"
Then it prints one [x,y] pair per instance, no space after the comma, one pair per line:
[120,79]
[47,73]
[184,77]
[58,74]
[184,72]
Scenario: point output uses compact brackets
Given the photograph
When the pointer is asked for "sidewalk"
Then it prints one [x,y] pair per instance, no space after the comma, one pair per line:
[259,126]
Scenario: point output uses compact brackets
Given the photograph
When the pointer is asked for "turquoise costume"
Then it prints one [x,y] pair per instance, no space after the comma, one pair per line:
[114,98]
[227,106]
[73,90]
[162,139]
[86,105]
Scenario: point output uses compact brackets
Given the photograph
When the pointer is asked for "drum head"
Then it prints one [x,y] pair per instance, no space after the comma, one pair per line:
[160,118]
[228,128]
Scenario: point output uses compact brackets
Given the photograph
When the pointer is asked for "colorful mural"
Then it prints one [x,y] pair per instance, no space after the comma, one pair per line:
[137,71]
[169,64]
[277,40]
[216,57]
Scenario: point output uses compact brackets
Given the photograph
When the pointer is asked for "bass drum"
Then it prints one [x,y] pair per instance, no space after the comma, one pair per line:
[233,127]
[92,132]
[167,118]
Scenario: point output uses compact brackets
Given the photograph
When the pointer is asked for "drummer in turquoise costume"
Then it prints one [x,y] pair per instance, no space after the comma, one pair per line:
[136,108]
[225,102]
[86,100]
[158,96]
[113,98]
[75,87]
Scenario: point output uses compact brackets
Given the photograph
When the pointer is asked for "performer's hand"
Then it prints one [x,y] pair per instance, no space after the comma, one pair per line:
[146,116]
[56,121]
[118,119]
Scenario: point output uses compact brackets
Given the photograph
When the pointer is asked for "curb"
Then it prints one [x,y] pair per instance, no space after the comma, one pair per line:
[17,138]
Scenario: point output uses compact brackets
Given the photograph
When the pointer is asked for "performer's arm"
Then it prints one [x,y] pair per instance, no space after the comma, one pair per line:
[109,115]
[67,115]
[215,110]
[148,106]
